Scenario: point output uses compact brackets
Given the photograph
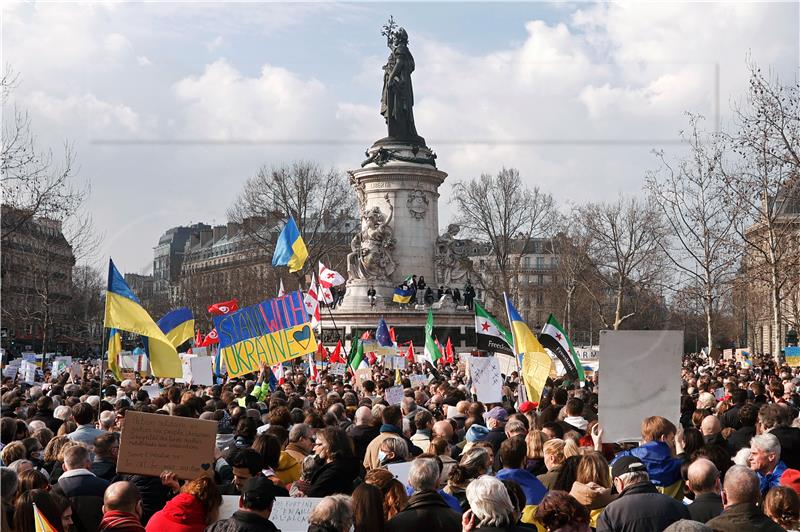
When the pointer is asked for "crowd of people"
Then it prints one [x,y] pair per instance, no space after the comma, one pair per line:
[730,463]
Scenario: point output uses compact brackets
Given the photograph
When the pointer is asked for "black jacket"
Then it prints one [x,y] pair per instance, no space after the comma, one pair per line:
[104,469]
[706,507]
[426,511]
[740,439]
[362,435]
[335,477]
[731,418]
[641,508]
[49,420]
[496,437]
[154,494]
[741,517]
[85,493]
[243,521]
[790,445]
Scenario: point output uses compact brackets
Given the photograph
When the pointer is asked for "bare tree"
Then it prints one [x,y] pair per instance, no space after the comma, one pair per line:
[701,245]
[625,247]
[320,201]
[88,284]
[501,212]
[573,267]
[764,186]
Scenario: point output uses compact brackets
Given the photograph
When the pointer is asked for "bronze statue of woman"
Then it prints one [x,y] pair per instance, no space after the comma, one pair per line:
[397,100]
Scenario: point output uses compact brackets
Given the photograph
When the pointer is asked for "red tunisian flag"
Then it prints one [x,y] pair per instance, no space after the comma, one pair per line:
[224,307]
[448,351]
[336,356]
[211,338]
[410,354]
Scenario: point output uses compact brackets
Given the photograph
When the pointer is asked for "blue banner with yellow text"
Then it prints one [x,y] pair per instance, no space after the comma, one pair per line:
[272,331]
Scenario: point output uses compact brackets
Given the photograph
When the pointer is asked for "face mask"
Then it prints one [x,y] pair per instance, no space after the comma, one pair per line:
[381,456]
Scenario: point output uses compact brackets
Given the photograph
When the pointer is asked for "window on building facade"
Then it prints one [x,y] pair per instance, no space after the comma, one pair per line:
[540,262]
[540,279]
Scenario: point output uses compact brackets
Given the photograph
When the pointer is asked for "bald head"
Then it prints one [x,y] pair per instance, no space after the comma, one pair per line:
[443,429]
[363,415]
[710,426]
[741,486]
[703,476]
[122,496]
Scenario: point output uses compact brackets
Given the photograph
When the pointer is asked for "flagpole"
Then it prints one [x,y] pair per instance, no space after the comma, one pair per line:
[338,336]
[522,392]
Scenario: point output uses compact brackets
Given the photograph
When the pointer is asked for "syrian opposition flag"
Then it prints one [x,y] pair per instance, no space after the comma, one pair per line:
[432,351]
[554,338]
[224,307]
[311,302]
[327,280]
[491,335]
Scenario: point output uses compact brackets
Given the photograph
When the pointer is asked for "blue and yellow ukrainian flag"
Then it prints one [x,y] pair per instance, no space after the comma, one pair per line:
[401,296]
[535,362]
[290,250]
[178,325]
[124,311]
[114,348]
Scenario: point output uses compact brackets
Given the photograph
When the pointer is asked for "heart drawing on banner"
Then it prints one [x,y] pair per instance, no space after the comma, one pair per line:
[205,466]
[302,336]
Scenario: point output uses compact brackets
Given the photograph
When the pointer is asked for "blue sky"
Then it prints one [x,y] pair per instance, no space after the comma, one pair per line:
[608,82]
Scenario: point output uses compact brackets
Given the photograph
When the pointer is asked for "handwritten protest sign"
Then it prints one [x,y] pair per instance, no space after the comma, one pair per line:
[394,362]
[337,368]
[27,371]
[400,471]
[200,369]
[418,380]
[485,375]
[272,331]
[394,395]
[290,514]
[363,374]
[59,367]
[793,356]
[152,443]
[10,372]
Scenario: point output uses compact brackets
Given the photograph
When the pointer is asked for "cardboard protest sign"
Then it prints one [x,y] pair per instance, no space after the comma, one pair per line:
[290,514]
[362,374]
[337,368]
[400,471]
[151,443]
[792,356]
[394,395]
[272,331]
[486,379]
[641,378]
[75,370]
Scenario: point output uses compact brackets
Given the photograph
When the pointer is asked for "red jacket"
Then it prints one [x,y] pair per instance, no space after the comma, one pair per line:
[184,513]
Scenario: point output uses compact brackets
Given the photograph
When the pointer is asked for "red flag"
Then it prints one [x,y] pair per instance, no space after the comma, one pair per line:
[448,350]
[224,307]
[371,358]
[392,334]
[336,356]
[366,335]
[210,339]
[198,340]
[410,354]
[321,351]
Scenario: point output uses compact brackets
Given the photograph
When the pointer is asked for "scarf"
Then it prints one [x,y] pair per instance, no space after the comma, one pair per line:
[120,521]
[770,480]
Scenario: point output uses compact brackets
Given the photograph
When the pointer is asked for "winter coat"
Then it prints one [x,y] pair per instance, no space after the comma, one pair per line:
[184,513]
[534,490]
[744,516]
[705,507]
[664,470]
[119,521]
[243,521]
[154,494]
[85,493]
[334,477]
[426,510]
[641,508]
[106,470]
[288,469]
[362,436]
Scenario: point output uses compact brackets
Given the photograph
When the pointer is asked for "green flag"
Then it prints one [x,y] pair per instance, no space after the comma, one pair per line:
[356,354]
[490,334]
[432,352]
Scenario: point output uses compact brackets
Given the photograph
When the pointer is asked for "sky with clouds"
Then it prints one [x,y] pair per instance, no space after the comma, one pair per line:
[171,106]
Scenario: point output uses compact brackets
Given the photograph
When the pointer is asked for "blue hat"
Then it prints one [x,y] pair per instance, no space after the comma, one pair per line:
[477,433]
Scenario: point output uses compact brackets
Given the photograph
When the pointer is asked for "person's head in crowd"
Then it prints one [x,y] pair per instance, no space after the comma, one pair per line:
[363,416]
[67,427]
[122,504]
[553,431]
[765,453]
[35,425]
[368,508]
[782,505]
[490,504]
[302,436]
[333,444]
[706,401]
[423,420]
[657,428]
[43,436]
[32,479]
[269,448]
[628,471]
[741,486]
[424,474]
[206,491]
[392,415]
[20,466]
[106,420]
[280,416]
[83,414]
[516,494]
[13,451]
[106,446]
[559,511]
[443,429]
[496,418]
[393,450]
[8,430]
[568,473]
[571,447]
[245,464]
[394,493]
[593,467]
[710,426]
[515,427]
[769,417]
[687,525]
[692,440]
[473,463]
[553,450]
[258,496]
[513,452]
[703,477]
[717,454]
[535,440]
[24,520]
[77,457]
[748,414]
[438,447]
[8,484]
[334,513]
[62,412]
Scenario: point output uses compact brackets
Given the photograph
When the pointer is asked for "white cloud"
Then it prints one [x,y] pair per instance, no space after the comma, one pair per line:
[215,43]
[88,113]
[143,60]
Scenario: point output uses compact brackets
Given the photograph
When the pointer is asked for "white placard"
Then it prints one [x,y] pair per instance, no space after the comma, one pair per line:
[394,395]
[10,372]
[400,471]
[230,504]
[418,380]
[337,368]
[28,371]
[486,379]
[395,362]
[152,391]
[201,370]
[641,378]
[59,367]
[290,514]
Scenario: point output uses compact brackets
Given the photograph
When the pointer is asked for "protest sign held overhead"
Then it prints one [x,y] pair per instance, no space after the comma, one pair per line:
[272,331]
[486,379]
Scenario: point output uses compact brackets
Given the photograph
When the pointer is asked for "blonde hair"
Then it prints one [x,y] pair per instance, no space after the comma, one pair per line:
[593,467]
[571,448]
[535,441]
[656,427]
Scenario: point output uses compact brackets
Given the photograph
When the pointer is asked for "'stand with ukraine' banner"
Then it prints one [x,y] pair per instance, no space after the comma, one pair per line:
[272,331]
